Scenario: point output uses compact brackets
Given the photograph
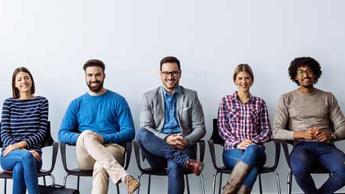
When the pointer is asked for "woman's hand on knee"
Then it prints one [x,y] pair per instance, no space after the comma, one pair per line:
[35,154]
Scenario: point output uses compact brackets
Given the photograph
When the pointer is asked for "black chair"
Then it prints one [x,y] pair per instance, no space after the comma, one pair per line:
[139,156]
[48,141]
[88,173]
[217,140]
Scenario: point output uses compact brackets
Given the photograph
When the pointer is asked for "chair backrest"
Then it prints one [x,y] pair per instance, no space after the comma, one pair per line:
[215,133]
[48,140]
[0,137]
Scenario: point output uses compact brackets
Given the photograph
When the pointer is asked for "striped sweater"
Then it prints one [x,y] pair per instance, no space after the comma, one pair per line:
[24,120]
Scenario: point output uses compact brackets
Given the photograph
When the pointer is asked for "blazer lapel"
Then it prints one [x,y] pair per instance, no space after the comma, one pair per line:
[179,104]
[161,105]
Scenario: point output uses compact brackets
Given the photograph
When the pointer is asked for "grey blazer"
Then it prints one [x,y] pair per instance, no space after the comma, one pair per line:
[189,114]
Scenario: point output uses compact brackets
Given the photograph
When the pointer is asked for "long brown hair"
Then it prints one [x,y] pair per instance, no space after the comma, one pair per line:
[15,90]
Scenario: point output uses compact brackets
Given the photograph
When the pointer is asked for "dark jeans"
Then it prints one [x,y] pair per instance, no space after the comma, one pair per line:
[159,154]
[254,156]
[305,156]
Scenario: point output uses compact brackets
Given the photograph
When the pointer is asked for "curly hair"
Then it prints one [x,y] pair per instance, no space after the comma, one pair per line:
[301,62]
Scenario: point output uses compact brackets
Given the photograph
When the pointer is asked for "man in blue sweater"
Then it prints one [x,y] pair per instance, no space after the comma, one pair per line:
[99,123]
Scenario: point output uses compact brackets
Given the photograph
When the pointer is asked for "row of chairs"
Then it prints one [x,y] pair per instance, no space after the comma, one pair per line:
[214,143]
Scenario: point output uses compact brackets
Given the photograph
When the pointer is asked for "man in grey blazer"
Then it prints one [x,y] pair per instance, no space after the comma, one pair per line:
[171,122]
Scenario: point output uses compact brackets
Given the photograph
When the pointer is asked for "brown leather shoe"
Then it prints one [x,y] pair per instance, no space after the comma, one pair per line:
[132,184]
[195,166]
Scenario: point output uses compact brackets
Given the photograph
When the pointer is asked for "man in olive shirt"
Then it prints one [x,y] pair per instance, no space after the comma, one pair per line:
[306,115]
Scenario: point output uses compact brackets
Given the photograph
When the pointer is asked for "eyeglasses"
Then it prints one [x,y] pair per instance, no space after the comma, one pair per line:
[172,73]
[302,72]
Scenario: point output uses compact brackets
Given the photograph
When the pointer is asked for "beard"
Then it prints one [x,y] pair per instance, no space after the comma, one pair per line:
[309,83]
[96,88]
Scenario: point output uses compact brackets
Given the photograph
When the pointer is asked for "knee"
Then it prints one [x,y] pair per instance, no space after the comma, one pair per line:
[255,149]
[85,133]
[27,156]
[90,136]
[142,135]
[298,168]
[340,171]
[299,164]
[229,159]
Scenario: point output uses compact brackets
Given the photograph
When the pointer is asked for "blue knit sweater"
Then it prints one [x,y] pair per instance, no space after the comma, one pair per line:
[108,115]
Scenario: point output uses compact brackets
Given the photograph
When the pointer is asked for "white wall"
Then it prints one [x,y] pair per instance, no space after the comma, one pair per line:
[54,38]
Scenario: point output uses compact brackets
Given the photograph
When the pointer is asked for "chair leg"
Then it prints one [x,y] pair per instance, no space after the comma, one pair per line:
[117,188]
[53,179]
[78,181]
[44,180]
[139,178]
[187,184]
[220,183]
[278,182]
[202,184]
[260,183]
[5,186]
[289,182]
[65,180]
[149,185]
[214,182]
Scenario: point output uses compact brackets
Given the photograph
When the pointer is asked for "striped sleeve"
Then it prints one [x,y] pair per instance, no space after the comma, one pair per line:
[6,137]
[37,138]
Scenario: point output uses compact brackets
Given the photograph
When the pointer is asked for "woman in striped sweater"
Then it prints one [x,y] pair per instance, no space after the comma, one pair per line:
[23,128]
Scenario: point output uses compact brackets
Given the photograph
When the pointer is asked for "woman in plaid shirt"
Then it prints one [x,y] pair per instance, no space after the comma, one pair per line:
[244,125]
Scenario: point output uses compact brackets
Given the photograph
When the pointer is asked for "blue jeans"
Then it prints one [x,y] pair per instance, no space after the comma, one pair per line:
[254,156]
[159,154]
[24,170]
[305,156]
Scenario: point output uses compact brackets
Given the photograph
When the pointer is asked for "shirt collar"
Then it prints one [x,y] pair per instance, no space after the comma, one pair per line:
[177,91]
[235,97]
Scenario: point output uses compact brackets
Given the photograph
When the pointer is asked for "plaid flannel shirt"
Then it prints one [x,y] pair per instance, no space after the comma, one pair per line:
[238,121]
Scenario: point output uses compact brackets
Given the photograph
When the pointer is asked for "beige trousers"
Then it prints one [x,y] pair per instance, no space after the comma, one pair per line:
[105,160]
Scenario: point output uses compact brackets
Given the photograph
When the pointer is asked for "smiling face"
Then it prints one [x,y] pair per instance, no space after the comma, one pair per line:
[243,81]
[170,76]
[94,78]
[23,83]
[305,76]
